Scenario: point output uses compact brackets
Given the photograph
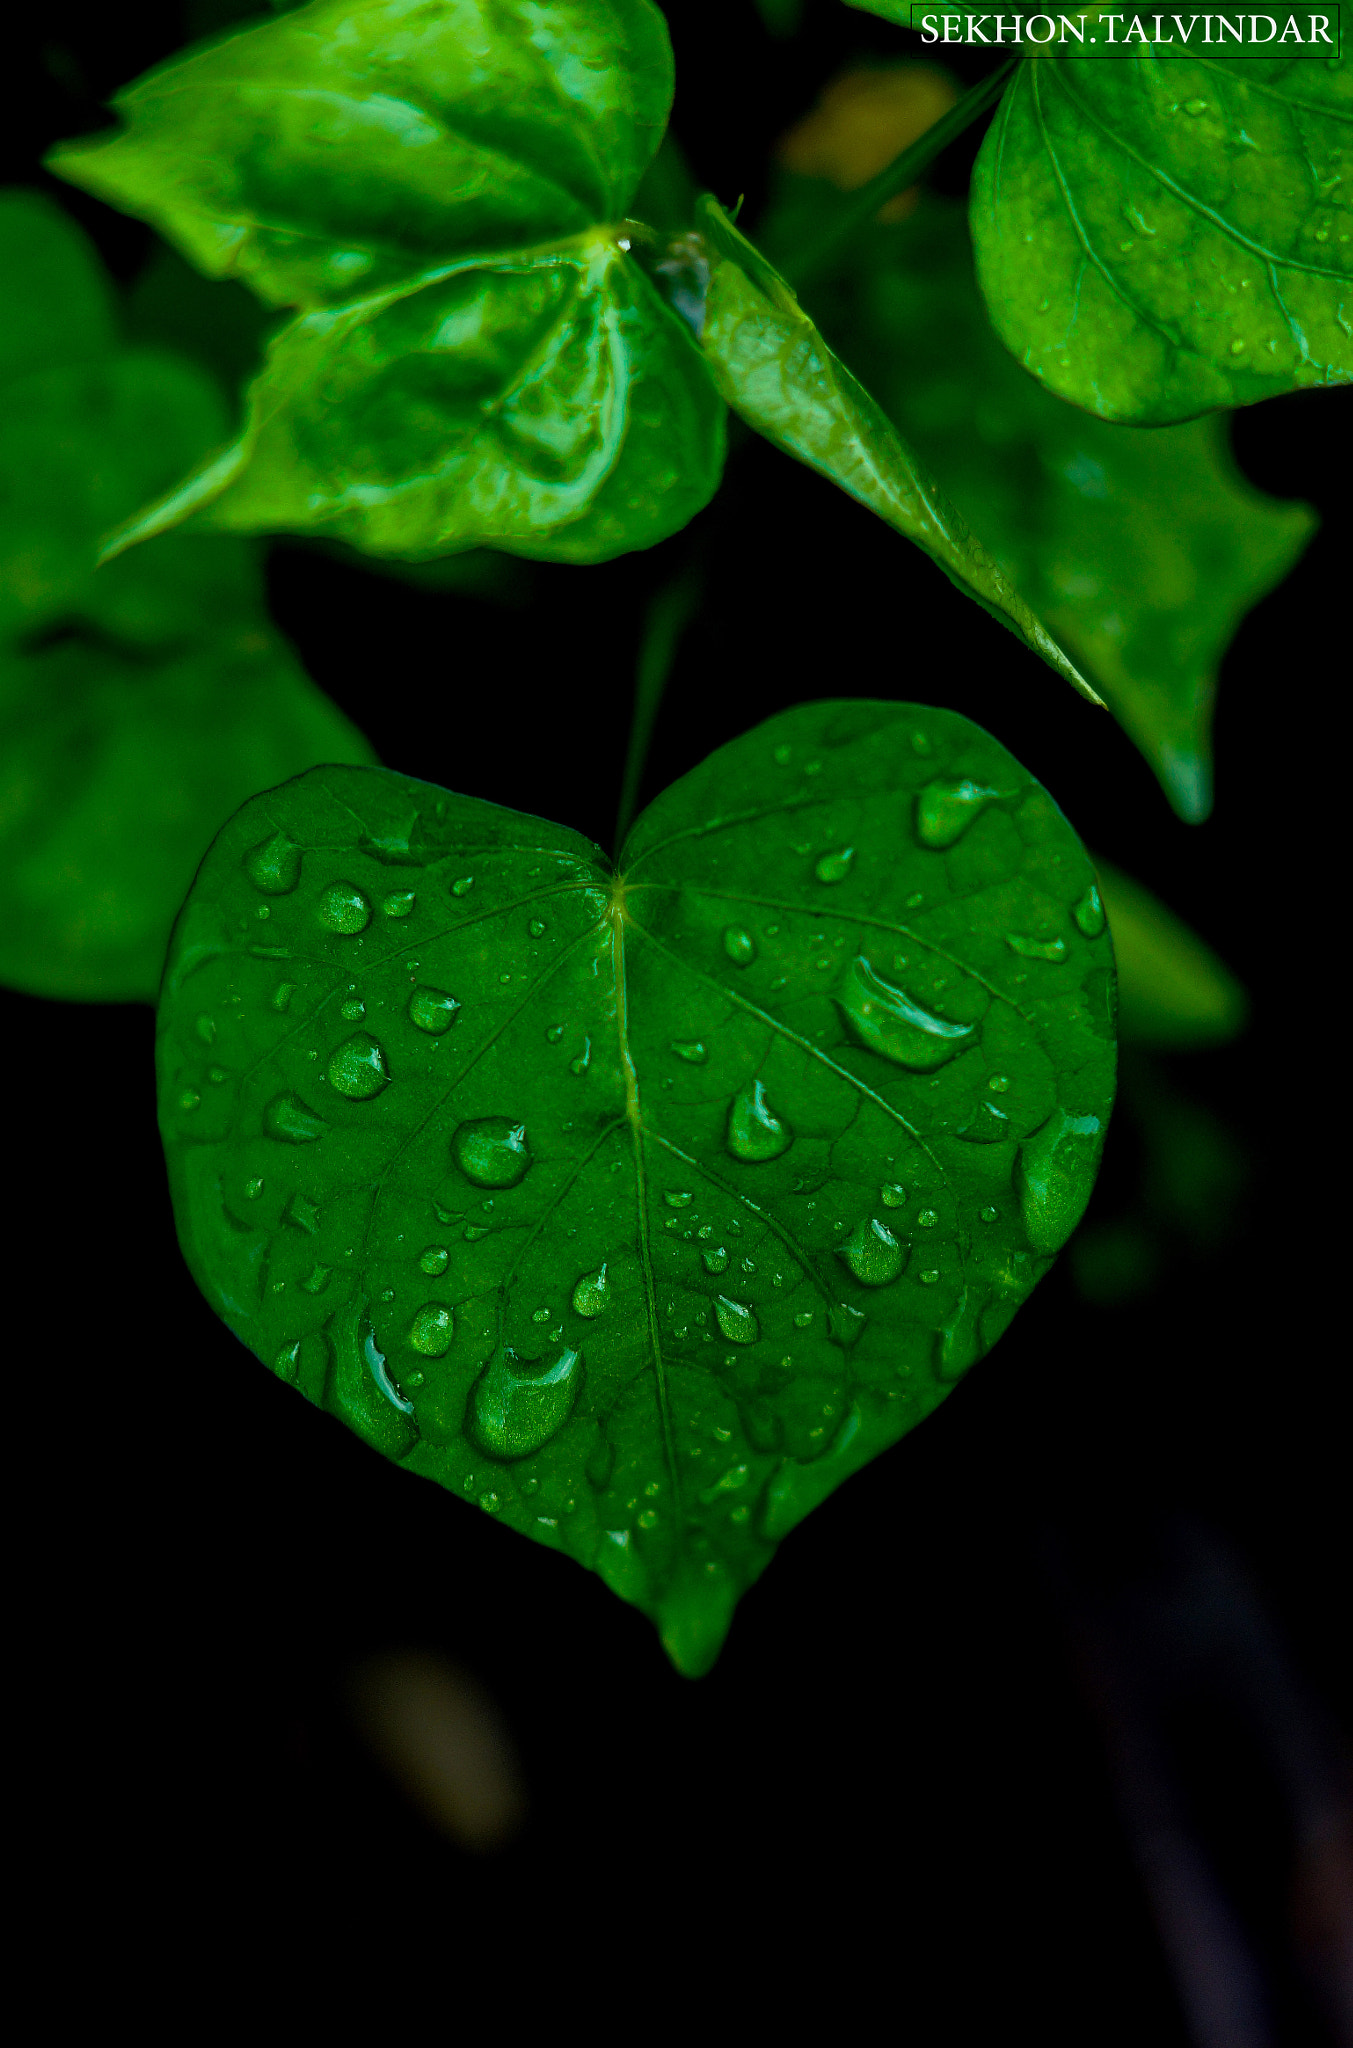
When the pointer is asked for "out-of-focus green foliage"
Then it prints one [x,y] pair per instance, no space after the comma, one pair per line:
[774,368]
[1174,994]
[642,1209]
[479,359]
[142,702]
[1142,552]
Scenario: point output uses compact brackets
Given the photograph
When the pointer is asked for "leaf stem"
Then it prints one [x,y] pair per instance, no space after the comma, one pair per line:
[668,615]
[904,170]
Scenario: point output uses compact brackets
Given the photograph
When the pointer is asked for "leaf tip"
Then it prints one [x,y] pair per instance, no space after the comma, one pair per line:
[694,1619]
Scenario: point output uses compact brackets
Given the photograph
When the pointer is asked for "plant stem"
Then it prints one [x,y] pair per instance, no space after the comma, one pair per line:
[666,620]
[904,170]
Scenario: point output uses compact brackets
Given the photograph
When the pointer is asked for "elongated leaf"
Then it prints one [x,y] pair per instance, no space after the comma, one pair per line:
[1174,994]
[1161,236]
[642,1209]
[1142,552]
[774,368]
[354,144]
[443,184]
[548,405]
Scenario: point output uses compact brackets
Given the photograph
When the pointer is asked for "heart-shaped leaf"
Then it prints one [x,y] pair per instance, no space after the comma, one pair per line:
[642,1207]
[442,186]
[1163,235]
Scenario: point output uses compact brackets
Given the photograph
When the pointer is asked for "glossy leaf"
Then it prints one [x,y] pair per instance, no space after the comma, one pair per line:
[775,369]
[353,145]
[442,185]
[1174,994]
[642,1209]
[140,703]
[1159,237]
[1141,552]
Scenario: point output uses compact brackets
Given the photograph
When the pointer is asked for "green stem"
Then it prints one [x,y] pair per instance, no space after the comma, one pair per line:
[666,620]
[904,170]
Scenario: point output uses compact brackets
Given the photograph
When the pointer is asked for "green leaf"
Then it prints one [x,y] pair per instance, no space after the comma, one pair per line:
[643,1208]
[1141,552]
[353,145]
[1158,237]
[442,185]
[1174,994]
[140,703]
[547,404]
[774,368]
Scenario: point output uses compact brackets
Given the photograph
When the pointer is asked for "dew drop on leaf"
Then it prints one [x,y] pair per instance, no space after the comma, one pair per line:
[274,865]
[736,1320]
[491,1151]
[357,1068]
[754,1132]
[690,1049]
[400,904]
[887,1021]
[1036,949]
[893,1196]
[282,994]
[433,1010]
[1089,913]
[302,1214]
[434,1259]
[739,945]
[515,1409]
[714,1258]
[872,1253]
[343,908]
[678,1198]
[252,1190]
[463,886]
[834,867]
[537,927]
[288,1119]
[946,808]
[591,1293]
[432,1330]
[353,1011]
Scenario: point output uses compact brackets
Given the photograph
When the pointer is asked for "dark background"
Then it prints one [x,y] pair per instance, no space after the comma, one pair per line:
[908,1783]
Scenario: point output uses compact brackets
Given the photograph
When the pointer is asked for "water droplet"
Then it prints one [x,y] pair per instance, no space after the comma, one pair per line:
[592,1293]
[206,1030]
[987,1126]
[515,1408]
[432,1330]
[555,1033]
[678,1198]
[946,808]
[287,1362]
[287,1119]
[302,1213]
[887,1021]
[999,1084]
[690,1049]
[274,865]
[739,945]
[929,1278]
[803,1319]
[318,1280]
[584,1059]
[540,1315]
[872,1253]
[1195,106]
[1054,1174]
[927,1219]
[189,1099]
[357,1068]
[537,927]
[492,1152]
[754,1131]
[282,994]
[1089,913]
[353,1011]
[433,1010]
[893,1197]
[343,908]
[989,1214]
[252,1190]
[1036,949]
[737,1320]
[435,1259]
[714,1258]
[781,756]
[834,867]
[400,904]
[375,1364]
[463,886]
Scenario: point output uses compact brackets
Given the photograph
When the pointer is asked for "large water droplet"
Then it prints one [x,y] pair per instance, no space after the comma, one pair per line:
[432,1330]
[834,867]
[287,1118]
[887,1021]
[1089,913]
[274,865]
[434,1259]
[1035,949]
[872,1253]
[492,1152]
[737,1320]
[357,1068]
[1054,1174]
[515,1408]
[946,808]
[754,1131]
[433,1010]
[375,1364]
[714,1258]
[343,908]
[591,1293]
[739,945]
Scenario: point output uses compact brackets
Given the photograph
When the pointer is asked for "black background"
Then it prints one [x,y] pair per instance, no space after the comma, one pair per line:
[893,1789]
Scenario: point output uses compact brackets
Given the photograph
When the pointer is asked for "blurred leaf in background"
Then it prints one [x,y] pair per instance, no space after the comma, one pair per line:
[140,703]
[1141,550]
[444,1742]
